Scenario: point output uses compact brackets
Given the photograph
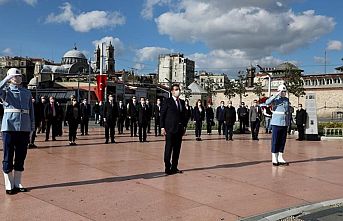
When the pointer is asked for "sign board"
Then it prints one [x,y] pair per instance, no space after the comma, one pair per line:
[312,120]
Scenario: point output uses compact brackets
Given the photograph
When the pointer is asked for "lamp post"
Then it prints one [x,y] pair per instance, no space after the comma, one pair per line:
[89,81]
[269,79]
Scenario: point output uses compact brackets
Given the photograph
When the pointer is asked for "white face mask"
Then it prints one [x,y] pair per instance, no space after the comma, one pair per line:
[110,99]
[177,93]
[222,105]
[199,104]
[142,102]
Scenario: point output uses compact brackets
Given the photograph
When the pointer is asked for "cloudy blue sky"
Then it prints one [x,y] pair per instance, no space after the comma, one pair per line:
[220,35]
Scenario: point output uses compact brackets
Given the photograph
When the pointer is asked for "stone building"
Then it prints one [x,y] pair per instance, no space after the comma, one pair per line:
[175,68]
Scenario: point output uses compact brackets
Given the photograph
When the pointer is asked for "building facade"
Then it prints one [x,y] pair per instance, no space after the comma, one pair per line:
[25,65]
[217,80]
[176,69]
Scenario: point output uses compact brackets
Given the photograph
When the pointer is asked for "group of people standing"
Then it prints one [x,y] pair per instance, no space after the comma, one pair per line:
[171,118]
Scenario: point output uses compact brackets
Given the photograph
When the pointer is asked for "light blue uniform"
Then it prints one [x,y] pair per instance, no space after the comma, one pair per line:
[280,122]
[281,113]
[18,108]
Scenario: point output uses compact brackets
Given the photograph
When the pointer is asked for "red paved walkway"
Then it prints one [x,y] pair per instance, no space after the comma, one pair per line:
[222,180]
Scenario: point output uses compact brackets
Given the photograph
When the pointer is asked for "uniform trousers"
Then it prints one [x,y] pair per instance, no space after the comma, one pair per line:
[14,146]
[279,136]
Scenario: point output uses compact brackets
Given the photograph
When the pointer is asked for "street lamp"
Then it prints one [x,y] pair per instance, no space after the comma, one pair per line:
[89,81]
[269,79]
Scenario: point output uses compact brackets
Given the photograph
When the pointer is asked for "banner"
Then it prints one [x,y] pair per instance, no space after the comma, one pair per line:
[101,85]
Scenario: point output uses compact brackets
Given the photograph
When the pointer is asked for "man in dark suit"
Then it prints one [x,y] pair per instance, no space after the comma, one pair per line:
[173,126]
[133,114]
[51,116]
[150,109]
[220,118]
[121,117]
[255,116]
[110,117]
[242,117]
[85,114]
[157,116]
[300,119]
[229,120]
[143,118]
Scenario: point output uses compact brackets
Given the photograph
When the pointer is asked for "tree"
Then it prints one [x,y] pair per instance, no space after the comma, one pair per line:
[210,86]
[230,89]
[295,84]
[258,88]
[240,86]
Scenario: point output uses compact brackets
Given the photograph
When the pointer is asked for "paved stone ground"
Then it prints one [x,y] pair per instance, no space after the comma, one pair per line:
[125,181]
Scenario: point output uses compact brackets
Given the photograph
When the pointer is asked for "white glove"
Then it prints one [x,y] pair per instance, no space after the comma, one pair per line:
[8,78]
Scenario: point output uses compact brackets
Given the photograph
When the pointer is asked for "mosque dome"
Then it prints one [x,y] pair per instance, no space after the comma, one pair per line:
[73,56]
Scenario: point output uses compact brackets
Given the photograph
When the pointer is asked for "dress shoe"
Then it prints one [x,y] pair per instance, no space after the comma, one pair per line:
[53,139]
[283,164]
[175,171]
[106,142]
[168,172]
[19,190]
[113,141]
[11,192]
[276,164]
[82,134]
[46,140]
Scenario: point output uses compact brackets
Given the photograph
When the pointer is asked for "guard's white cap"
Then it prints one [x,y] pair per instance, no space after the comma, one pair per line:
[282,87]
[13,72]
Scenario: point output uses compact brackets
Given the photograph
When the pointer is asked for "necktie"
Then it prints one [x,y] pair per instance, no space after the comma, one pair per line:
[53,110]
[178,104]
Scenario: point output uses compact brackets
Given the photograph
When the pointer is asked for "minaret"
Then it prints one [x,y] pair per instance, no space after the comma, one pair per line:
[97,58]
[110,62]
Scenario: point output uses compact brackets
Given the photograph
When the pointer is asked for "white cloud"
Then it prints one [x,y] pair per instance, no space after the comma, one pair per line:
[116,42]
[334,45]
[31,2]
[257,28]
[86,21]
[3,2]
[148,8]
[319,60]
[230,60]
[150,53]
[7,51]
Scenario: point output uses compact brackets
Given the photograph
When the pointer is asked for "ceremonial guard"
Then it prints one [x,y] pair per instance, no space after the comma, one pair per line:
[17,123]
[280,122]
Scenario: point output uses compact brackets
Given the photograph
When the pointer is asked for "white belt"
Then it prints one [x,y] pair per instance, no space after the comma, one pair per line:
[16,111]
[279,112]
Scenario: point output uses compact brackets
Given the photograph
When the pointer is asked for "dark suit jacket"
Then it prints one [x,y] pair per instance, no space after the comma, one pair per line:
[122,112]
[110,112]
[70,114]
[209,114]
[85,111]
[301,117]
[230,115]
[157,113]
[220,113]
[199,116]
[173,120]
[133,111]
[48,112]
[143,115]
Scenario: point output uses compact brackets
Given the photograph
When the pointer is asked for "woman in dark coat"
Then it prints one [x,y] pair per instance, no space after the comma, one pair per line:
[199,116]
[73,116]
[189,111]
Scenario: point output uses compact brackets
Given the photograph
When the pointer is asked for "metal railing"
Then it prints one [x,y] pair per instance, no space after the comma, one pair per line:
[333,132]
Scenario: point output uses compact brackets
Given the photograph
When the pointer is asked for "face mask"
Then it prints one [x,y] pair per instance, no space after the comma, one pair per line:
[120,103]
[134,100]
[222,105]
[142,102]
[230,105]
[110,98]
[158,102]
[177,93]
[199,104]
